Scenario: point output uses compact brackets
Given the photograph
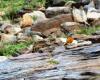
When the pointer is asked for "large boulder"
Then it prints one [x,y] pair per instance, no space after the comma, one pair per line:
[37,16]
[32,18]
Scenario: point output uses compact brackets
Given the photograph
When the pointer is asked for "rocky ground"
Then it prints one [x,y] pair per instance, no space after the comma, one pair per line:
[82,63]
[47,58]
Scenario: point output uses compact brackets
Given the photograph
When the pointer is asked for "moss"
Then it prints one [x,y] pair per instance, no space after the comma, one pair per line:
[53,61]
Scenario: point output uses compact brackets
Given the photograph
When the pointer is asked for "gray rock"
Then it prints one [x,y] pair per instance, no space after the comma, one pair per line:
[54,11]
[37,16]
[8,38]
[70,27]
[54,3]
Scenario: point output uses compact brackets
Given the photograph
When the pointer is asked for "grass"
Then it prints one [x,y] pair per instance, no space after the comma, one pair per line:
[89,30]
[9,49]
[11,7]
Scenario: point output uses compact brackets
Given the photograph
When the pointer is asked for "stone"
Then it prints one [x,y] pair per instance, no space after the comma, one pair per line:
[92,13]
[79,15]
[94,39]
[70,27]
[97,4]
[8,38]
[84,1]
[95,22]
[72,64]
[54,11]
[10,29]
[26,21]
[37,38]
[3,58]
[90,5]
[37,16]
[75,43]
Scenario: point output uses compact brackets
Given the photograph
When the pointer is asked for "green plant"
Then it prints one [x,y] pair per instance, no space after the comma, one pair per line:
[11,7]
[89,30]
[9,49]
[53,61]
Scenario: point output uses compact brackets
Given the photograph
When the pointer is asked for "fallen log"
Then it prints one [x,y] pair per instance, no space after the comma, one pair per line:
[48,26]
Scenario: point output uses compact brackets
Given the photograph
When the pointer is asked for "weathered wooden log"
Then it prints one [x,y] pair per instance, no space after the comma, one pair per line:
[54,11]
[53,24]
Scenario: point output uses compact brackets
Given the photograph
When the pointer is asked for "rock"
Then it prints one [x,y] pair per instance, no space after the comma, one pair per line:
[3,26]
[96,33]
[90,5]
[80,36]
[92,11]
[10,29]
[94,39]
[85,1]
[97,4]
[37,38]
[52,25]
[52,3]
[91,14]
[3,58]
[75,43]
[62,39]
[79,15]
[70,27]
[8,38]
[26,21]
[95,22]
[54,11]
[74,64]
[37,16]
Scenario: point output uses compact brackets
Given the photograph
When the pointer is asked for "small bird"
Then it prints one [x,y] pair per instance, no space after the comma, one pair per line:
[69,39]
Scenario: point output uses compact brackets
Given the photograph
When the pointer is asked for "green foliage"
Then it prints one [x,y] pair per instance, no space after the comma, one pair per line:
[53,61]
[89,30]
[11,7]
[9,49]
